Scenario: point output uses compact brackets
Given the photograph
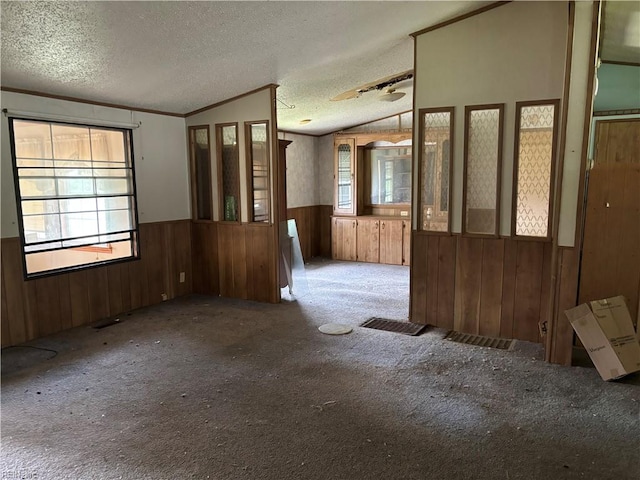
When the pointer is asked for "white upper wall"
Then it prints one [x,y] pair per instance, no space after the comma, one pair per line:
[249,108]
[160,157]
[515,52]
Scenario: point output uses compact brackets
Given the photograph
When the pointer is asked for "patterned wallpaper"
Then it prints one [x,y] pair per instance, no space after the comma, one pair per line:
[325,170]
[302,154]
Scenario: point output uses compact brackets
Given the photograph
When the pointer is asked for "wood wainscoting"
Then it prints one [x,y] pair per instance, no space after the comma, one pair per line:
[247,261]
[204,250]
[39,307]
[314,229]
[559,341]
[488,286]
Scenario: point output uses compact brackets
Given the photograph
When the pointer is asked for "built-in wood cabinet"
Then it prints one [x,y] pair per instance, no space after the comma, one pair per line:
[371,239]
[372,197]
[343,238]
[368,240]
[391,242]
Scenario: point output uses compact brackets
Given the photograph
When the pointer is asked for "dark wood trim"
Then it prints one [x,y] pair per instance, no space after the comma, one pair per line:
[611,113]
[459,18]
[89,102]
[467,114]
[421,113]
[516,163]
[557,190]
[616,62]
[249,171]
[586,130]
[182,220]
[193,170]
[219,153]
[274,179]
[237,97]
[343,131]
[290,132]
[615,120]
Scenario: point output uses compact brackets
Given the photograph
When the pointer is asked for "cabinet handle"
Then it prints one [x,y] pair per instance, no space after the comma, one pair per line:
[383,225]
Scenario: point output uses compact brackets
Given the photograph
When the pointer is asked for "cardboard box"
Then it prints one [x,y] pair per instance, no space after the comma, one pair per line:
[606,331]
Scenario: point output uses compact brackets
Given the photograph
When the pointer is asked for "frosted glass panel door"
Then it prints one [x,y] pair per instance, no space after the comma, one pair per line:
[482,167]
[344,201]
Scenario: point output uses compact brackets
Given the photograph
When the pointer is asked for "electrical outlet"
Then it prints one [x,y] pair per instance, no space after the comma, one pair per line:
[164,297]
[404,213]
[182,277]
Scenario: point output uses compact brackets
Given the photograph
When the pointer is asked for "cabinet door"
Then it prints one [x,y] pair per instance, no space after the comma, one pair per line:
[344,202]
[368,239]
[391,241]
[343,239]
[406,242]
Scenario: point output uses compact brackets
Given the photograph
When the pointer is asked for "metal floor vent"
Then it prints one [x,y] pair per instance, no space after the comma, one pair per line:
[480,341]
[406,328]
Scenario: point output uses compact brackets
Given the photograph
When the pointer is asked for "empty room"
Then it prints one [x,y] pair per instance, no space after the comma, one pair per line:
[320,240]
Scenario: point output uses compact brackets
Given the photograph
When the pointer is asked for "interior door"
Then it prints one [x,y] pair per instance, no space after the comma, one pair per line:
[611,249]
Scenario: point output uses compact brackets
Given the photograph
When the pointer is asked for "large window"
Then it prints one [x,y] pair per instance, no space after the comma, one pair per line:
[75,192]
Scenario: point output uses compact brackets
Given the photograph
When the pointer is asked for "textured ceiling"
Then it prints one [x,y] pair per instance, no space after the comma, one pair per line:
[181,56]
[621,32]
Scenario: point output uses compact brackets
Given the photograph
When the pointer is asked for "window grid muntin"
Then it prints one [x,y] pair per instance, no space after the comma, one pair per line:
[50,162]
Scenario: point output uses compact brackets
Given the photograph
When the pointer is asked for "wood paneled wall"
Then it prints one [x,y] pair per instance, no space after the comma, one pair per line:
[35,308]
[314,229]
[204,248]
[247,261]
[496,287]
[559,341]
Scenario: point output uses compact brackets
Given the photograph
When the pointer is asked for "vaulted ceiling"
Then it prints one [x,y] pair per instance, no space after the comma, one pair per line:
[181,56]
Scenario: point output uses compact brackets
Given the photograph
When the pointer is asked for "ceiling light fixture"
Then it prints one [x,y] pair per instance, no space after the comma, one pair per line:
[391,95]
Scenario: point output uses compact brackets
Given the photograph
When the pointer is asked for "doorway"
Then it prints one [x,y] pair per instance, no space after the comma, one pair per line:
[610,262]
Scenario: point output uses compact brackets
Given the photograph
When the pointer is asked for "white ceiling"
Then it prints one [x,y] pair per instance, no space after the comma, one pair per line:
[181,56]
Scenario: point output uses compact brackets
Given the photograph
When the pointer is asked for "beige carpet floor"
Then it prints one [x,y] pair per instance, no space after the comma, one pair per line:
[212,388]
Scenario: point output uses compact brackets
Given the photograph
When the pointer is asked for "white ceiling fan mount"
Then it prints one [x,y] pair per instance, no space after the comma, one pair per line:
[390,95]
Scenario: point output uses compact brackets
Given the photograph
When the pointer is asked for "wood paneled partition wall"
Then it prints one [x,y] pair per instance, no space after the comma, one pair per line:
[488,286]
[35,308]
[314,229]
